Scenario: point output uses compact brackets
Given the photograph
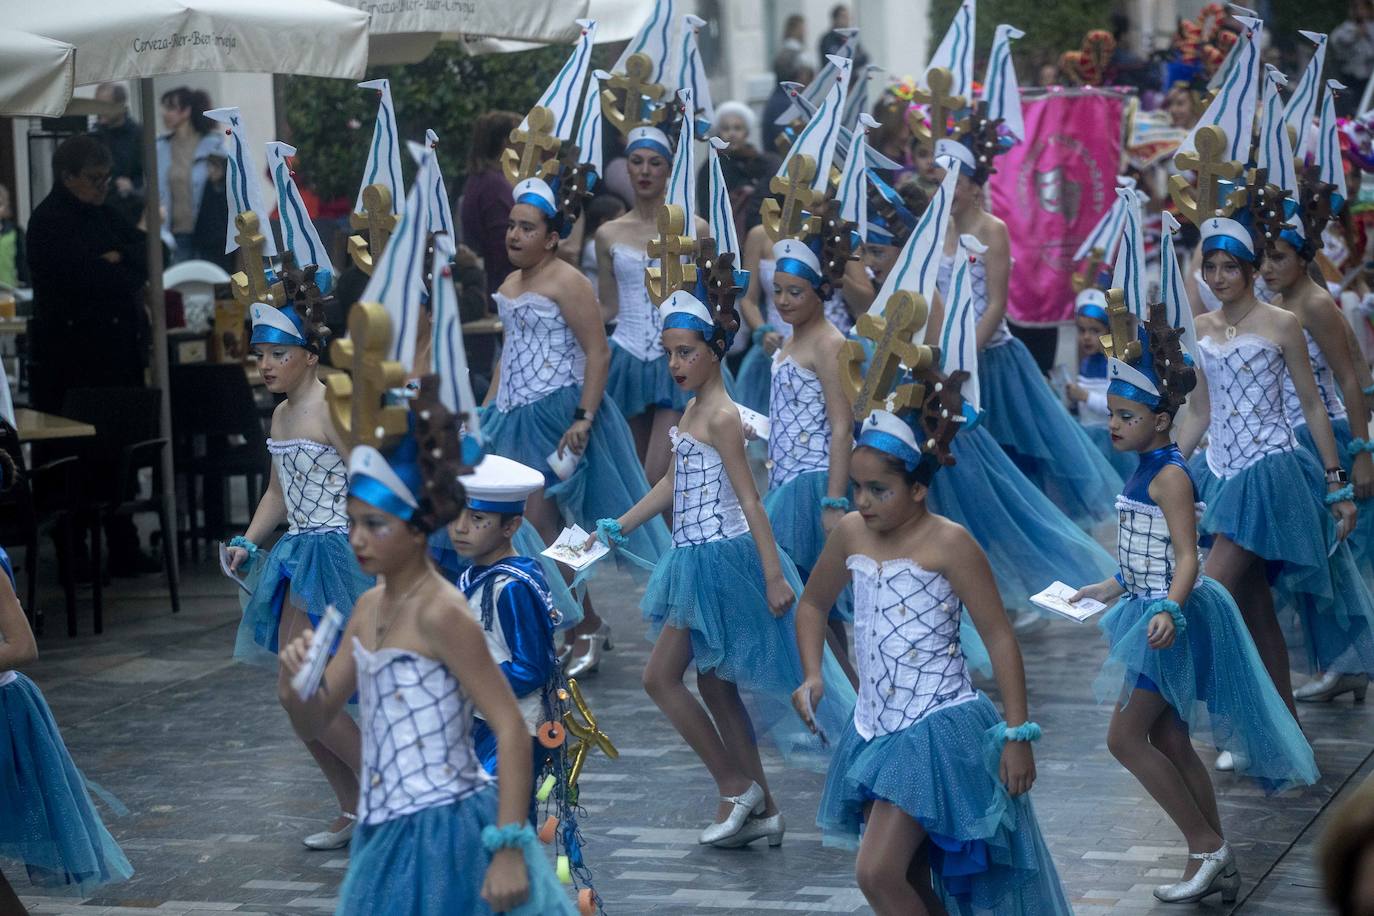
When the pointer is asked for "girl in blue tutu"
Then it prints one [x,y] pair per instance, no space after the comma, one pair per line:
[310,567]
[1181,659]
[721,599]
[546,409]
[753,382]
[1275,516]
[1022,412]
[926,778]
[49,824]
[435,835]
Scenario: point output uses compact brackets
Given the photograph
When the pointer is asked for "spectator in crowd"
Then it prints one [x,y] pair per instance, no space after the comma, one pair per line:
[124,138]
[832,40]
[1352,54]
[745,168]
[212,219]
[788,67]
[1180,105]
[89,326]
[14,270]
[1347,854]
[794,34]
[487,195]
[600,210]
[183,163]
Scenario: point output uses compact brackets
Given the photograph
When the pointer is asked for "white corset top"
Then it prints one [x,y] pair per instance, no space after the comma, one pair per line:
[1144,550]
[1245,385]
[314,483]
[979,275]
[800,438]
[540,354]
[705,507]
[906,641]
[637,325]
[417,743]
[1326,387]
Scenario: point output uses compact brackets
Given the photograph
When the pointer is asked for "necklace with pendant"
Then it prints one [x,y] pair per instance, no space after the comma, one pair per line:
[1231,328]
[383,628]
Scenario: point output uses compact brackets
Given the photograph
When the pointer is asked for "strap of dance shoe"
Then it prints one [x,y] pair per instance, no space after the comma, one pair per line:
[1165,606]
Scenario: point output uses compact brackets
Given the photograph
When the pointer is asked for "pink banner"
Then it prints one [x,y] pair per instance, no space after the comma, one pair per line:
[1051,190]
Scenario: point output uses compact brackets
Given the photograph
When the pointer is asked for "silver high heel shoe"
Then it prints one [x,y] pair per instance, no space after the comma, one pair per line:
[333,839]
[755,828]
[596,643]
[750,801]
[1331,685]
[1217,875]
[565,655]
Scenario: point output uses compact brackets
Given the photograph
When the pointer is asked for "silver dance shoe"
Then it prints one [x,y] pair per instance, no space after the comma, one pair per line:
[1331,685]
[333,839]
[1218,875]
[747,803]
[590,660]
[756,828]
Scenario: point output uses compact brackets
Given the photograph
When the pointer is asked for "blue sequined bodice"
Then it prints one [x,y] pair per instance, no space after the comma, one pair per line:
[906,642]
[799,438]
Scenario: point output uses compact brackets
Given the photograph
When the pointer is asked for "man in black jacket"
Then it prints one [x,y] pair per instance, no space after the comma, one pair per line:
[88,267]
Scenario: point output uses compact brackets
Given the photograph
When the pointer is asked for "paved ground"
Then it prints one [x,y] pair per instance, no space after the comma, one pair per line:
[220,792]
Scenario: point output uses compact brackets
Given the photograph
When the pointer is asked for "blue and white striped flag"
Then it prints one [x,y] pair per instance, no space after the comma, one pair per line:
[722,217]
[1275,150]
[820,135]
[682,181]
[1233,107]
[917,268]
[448,359]
[853,189]
[588,138]
[565,91]
[654,38]
[959,337]
[1176,305]
[1328,150]
[1129,275]
[440,211]
[691,73]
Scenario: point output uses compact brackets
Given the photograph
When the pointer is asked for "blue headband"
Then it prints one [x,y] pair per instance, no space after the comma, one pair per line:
[649,144]
[378,495]
[1095,312]
[515,507]
[266,334]
[1229,245]
[890,445]
[1124,389]
[539,203]
[687,322]
[798,268]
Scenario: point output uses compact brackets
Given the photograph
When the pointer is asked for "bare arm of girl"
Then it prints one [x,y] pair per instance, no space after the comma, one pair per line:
[827,580]
[1196,415]
[1329,329]
[579,310]
[608,291]
[270,513]
[311,717]
[859,291]
[1172,491]
[658,500]
[18,648]
[966,567]
[840,416]
[495,385]
[457,640]
[997,261]
[749,302]
[727,437]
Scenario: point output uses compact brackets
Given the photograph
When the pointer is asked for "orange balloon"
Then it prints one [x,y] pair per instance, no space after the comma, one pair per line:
[586,902]
[547,831]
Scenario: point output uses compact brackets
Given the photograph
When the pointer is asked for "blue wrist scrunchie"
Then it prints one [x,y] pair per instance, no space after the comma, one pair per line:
[1166,606]
[759,333]
[1356,446]
[610,533]
[835,502]
[511,836]
[241,541]
[1344,495]
[1026,731]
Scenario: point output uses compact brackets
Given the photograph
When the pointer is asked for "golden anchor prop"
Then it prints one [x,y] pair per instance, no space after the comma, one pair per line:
[622,101]
[1122,342]
[356,398]
[379,222]
[789,220]
[671,246]
[249,283]
[939,103]
[1211,166]
[530,148]
[893,334]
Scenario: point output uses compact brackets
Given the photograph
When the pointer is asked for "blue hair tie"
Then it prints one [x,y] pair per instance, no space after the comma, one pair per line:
[1170,607]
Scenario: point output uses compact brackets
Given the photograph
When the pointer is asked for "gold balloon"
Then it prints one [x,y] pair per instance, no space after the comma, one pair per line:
[587,733]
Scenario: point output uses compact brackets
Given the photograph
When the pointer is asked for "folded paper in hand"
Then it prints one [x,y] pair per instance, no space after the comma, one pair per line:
[232,574]
[568,549]
[754,420]
[1056,599]
[307,680]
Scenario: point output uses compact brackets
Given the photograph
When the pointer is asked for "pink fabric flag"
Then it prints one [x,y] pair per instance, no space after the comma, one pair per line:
[1051,189]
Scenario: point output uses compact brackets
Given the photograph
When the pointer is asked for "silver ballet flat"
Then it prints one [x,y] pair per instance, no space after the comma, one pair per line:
[1331,685]
[333,839]
[590,660]
[750,801]
[1218,875]
[1229,762]
[756,828]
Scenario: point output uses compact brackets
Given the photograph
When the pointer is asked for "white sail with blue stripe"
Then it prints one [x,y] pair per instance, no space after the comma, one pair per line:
[242,181]
[858,98]
[448,359]
[955,52]
[1302,104]
[440,211]
[1275,150]
[917,268]
[565,92]
[298,233]
[959,336]
[721,218]
[1176,305]
[1328,152]
[1129,275]
[1233,107]
[1000,89]
[1107,232]
[853,189]
[691,72]
[1221,73]
[682,181]
[820,135]
[655,39]
[588,136]
[384,155]
[807,100]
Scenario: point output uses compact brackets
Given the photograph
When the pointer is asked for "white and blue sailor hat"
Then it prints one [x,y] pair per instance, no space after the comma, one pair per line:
[499,484]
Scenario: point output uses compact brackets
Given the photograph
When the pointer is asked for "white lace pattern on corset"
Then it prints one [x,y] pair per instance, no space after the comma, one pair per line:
[314,483]
[417,742]
[979,276]
[1245,385]
[1326,387]
[705,507]
[800,438]
[1144,550]
[638,325]
[540,354]
[906,641]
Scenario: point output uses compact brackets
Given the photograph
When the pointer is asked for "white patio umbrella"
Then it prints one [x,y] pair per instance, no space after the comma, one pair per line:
[37,75]
[407,33]
[616,20]
[140,39]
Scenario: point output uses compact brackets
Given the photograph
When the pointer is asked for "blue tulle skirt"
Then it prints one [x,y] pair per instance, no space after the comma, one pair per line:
[1028,541]
[636,384]
[1361,540]
[317,569]
[1274,509]
[432,863]
[716,591]
[1124,463]
[526,543]
[754,382]
[1214,679]
[1204,481]
[987,855]
[606,482]
[47,820]
[1052,449]
[794,511]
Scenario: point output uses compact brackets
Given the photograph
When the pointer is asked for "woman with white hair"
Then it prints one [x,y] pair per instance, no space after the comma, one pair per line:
[744,166]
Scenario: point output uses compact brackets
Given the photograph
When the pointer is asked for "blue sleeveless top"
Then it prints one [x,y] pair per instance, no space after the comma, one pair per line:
[7,566]
[1151,463]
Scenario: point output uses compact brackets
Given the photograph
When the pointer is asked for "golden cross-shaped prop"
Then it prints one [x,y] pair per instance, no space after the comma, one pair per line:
[587,733]
[788,220]
[671,246]
[904,314]
[938,102]
[1212,166]
[1122,342]
[379,222]
[529,148]
[355,398]
[622,101]
[1086,274]
[249,284]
